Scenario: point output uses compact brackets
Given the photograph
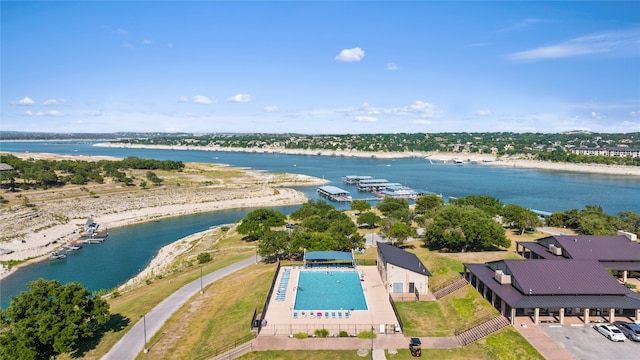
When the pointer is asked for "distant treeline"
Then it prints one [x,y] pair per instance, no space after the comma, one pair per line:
[48,173]
[539,146]
[593,221]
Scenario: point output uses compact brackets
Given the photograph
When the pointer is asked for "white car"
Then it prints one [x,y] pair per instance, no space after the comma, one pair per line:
[610,331]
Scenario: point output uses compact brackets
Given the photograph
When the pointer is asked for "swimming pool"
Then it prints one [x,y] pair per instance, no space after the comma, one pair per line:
[329,290]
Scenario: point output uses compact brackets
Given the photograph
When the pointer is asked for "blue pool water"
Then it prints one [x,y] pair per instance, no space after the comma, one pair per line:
[332,290]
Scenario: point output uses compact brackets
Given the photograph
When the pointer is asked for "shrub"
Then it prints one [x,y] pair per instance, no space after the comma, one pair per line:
[321,333]
[301,335]
[366,335]
[344,334]
[204,257]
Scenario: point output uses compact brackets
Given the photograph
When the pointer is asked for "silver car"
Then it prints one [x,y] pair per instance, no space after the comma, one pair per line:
[631,330]
[610,331]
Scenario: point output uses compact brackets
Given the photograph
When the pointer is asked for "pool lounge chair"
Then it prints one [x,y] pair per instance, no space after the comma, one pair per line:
[339,314]
[326,314]
[346,314]
[333,314]
[304,314]
[295,314]
[319,315]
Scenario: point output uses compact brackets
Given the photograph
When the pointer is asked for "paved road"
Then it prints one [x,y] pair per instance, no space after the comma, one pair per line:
[133,341]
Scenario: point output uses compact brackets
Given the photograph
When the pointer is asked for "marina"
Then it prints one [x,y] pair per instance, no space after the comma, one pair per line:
[334,193]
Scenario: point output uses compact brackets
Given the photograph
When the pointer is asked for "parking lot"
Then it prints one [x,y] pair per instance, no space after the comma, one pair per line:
[585,343]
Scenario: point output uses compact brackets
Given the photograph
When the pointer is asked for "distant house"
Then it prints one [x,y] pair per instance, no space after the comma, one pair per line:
[619,253]
[618,151]
[553,289]
[401,271]
[5,167]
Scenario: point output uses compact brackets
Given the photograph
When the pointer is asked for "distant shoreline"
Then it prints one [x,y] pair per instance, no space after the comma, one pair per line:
[465,158]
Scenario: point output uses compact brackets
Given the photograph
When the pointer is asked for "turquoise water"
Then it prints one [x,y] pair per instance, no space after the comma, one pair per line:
[329,290]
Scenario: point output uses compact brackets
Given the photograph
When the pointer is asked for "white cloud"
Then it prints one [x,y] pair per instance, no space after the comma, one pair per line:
[483,112]
[634,114]
[183,99]
[28,113]
[350,55]
[620,43]
[241,98]
[362,118]
[147,42]
[50,102]
[521,25]
[271,108]
[53,113]
[421,122]
[596,115]
[200,99]
[26,101]
[94,113]
[392,67]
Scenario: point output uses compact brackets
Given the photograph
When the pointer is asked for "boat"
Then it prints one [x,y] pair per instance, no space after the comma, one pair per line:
[69,248]
[57,256]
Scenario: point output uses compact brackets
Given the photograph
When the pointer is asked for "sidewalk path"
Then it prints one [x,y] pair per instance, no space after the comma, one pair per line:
[133,342]
[546,346]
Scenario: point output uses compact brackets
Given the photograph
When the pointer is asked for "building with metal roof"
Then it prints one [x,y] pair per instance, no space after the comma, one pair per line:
[334,193]
[554,288]
[619,253]
[402,272]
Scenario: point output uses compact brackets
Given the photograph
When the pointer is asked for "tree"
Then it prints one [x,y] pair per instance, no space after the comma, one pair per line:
[428,203]
[311,207]
[259,221]
[463,228]
[401,232]
[369,218]
[360,206]
[49,319]
[391,204]
[488,204]
[520,218]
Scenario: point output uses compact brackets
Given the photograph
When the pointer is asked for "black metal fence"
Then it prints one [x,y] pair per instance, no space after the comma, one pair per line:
[395,311]
[266,301]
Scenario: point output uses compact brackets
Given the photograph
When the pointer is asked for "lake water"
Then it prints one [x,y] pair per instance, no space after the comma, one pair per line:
[129,249]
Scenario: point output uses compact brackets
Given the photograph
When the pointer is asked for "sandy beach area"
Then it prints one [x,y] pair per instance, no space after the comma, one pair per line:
[31,233]
[464,157]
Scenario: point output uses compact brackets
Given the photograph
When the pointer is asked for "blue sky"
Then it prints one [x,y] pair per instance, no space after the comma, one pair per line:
[320,67]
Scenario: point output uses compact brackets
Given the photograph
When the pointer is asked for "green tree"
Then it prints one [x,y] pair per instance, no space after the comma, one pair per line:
[360,206]
[428,203]
[520,218]
[311,207]
[49,319]
[369,218]
[464,228]
[488,204]
[391,204]
[203,257]
[151,176]
[259,221]
[400,232]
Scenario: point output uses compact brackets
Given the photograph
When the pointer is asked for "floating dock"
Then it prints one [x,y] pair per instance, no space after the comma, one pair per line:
[355,179]
[334,193]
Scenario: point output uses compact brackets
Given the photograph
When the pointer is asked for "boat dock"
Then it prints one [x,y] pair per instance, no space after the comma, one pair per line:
[334,193]
[355,179]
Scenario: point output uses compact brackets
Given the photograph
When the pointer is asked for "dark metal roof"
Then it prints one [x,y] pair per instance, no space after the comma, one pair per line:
[603,248]
[404,259]
[537,249]
[563,277]
[516,299]
[622,265]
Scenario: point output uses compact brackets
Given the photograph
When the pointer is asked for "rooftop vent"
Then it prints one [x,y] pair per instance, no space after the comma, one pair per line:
[502,278]
[555,250]
[628,235]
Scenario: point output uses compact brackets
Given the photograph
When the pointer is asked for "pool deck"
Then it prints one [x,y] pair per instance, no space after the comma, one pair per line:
[280,321]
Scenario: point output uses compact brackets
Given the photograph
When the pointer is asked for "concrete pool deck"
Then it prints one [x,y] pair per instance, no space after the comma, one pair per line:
[380,315]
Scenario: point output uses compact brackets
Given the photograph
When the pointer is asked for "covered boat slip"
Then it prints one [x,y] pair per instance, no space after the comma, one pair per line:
[334,193]
[355,179]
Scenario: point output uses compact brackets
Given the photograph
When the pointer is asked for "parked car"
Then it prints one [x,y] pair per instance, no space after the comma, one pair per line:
[630,330]
[610,331]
